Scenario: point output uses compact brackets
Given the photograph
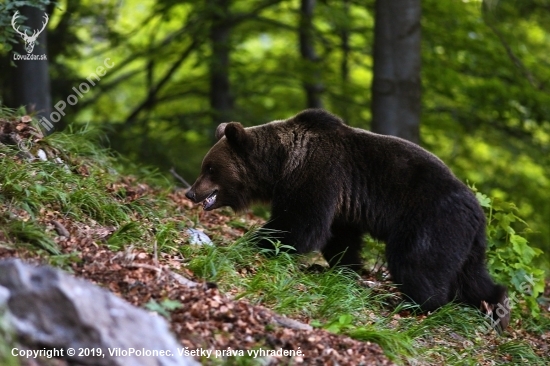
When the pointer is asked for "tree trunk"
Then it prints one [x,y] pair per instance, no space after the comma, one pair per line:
[312,75]
[396,85]
[31,79]
[221,101]
[344,64]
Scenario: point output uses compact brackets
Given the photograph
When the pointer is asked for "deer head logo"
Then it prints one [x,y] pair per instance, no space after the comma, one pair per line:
[29,40]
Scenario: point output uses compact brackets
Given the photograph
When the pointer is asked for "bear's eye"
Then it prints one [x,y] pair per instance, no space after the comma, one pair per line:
[210,170]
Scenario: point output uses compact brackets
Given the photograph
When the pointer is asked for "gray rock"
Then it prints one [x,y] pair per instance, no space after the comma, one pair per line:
[48,308]
[197,237]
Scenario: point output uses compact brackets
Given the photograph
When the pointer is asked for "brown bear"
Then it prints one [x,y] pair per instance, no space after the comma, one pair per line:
[329,184]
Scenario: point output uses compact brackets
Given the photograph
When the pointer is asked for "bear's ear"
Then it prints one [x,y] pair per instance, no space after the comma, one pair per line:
[220,131]
[236,135]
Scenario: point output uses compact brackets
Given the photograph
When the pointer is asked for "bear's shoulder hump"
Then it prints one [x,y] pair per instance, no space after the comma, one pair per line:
[317,118]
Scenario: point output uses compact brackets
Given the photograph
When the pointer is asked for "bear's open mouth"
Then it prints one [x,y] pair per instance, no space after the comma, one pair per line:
[210,200]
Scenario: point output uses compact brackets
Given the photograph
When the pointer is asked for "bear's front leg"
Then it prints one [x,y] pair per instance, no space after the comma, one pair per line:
[300,219]
[344,247]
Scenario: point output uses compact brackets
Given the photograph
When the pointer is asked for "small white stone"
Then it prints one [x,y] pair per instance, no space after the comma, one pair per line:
[42,155]
[197,237]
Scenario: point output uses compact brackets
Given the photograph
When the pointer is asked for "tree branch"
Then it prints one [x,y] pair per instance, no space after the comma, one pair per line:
[179,178]
[149,99]
[240,17]
[515,60]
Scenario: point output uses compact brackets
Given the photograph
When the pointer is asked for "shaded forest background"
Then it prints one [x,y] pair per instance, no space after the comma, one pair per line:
[182,67]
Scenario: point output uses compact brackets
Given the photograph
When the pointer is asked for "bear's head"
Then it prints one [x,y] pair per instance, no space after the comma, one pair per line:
[224,179]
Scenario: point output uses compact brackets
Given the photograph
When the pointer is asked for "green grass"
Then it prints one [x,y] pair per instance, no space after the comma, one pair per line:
[452,335]
[6,342]
[75,188]
[34,185]
[29,232]
[332,299]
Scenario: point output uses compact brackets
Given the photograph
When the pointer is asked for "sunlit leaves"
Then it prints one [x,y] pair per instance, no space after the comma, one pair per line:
[510,257]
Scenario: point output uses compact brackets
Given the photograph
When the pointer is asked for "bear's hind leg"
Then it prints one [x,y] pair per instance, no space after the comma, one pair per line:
[422,275]
[423,287]
[475,285]
[344,248]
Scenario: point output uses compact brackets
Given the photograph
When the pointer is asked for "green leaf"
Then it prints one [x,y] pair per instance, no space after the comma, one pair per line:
[519,279]
[505,219]
[509,256]
[152,305]
[171,304]
[345,319]
[484,201]
[522,248]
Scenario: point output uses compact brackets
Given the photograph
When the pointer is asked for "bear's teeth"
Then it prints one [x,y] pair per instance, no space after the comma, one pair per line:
[209,201]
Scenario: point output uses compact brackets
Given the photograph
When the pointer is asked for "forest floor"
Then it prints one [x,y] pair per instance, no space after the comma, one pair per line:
[67,203]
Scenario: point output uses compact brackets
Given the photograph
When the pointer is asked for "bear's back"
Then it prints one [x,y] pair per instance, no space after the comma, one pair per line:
[317,119]
[319,138]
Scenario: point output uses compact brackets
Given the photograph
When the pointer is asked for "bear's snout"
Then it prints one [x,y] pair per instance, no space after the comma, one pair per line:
[191,195]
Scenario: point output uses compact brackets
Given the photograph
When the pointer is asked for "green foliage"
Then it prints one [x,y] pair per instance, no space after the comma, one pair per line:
[280,282]
[165,236]
[397,346]
[510,257]
[75,185]
[64,261]
[409,340]
[216,262]
[279,249]
[519,353]
[374,253]
[7,339]
[30,232]
[340,324]
[42,183]
[485,104]
[128,234]
[164,307]
[537,325]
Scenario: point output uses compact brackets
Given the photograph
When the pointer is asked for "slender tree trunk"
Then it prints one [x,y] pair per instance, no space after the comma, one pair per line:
[396,85]
[312,75]
[344,38]
[30,78]
[221,100]
[344,64]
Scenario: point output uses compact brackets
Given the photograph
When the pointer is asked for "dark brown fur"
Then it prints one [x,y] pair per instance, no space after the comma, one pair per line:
[329,184]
